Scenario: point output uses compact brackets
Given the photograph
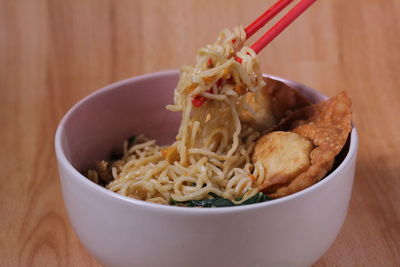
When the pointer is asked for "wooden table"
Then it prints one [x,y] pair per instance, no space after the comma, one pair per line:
[55,52]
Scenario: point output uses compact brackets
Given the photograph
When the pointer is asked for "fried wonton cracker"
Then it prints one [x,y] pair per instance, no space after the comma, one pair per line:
[268,106]
[327,124]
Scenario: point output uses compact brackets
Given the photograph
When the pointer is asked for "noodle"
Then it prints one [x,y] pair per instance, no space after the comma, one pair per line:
[211,154]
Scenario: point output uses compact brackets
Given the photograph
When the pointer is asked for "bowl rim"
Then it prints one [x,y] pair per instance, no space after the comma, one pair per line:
[95,188]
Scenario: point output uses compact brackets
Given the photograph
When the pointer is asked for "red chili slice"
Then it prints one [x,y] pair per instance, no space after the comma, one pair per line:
[198,100]
[209,63]
[238,59]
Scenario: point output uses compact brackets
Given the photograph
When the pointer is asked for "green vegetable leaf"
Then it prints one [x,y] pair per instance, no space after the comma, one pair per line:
[211,202]
[173,202]
[257,198]
[217,201]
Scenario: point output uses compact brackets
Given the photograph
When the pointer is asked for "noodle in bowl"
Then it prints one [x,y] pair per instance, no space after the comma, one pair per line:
[123,231]
[211,154]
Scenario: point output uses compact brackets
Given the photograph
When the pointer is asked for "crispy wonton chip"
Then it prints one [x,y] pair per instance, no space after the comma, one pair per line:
[268,106]
[327,124]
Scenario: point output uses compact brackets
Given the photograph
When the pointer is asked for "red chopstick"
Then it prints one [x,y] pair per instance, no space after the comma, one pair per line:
[266,17]
[293,14]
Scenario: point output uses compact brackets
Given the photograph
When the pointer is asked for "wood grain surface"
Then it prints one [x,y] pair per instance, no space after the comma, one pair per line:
[54,52]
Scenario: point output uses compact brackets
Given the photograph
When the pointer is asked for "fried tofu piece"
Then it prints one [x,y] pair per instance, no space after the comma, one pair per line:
[265,108]
[284,155]
[328,125]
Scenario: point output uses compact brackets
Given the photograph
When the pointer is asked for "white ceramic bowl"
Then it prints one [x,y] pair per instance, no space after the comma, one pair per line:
[119,231]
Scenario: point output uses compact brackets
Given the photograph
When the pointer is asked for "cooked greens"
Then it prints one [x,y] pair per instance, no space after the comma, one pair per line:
[217,201]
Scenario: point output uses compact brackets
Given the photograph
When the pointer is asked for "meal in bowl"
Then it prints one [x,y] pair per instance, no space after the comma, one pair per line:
[243,138]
